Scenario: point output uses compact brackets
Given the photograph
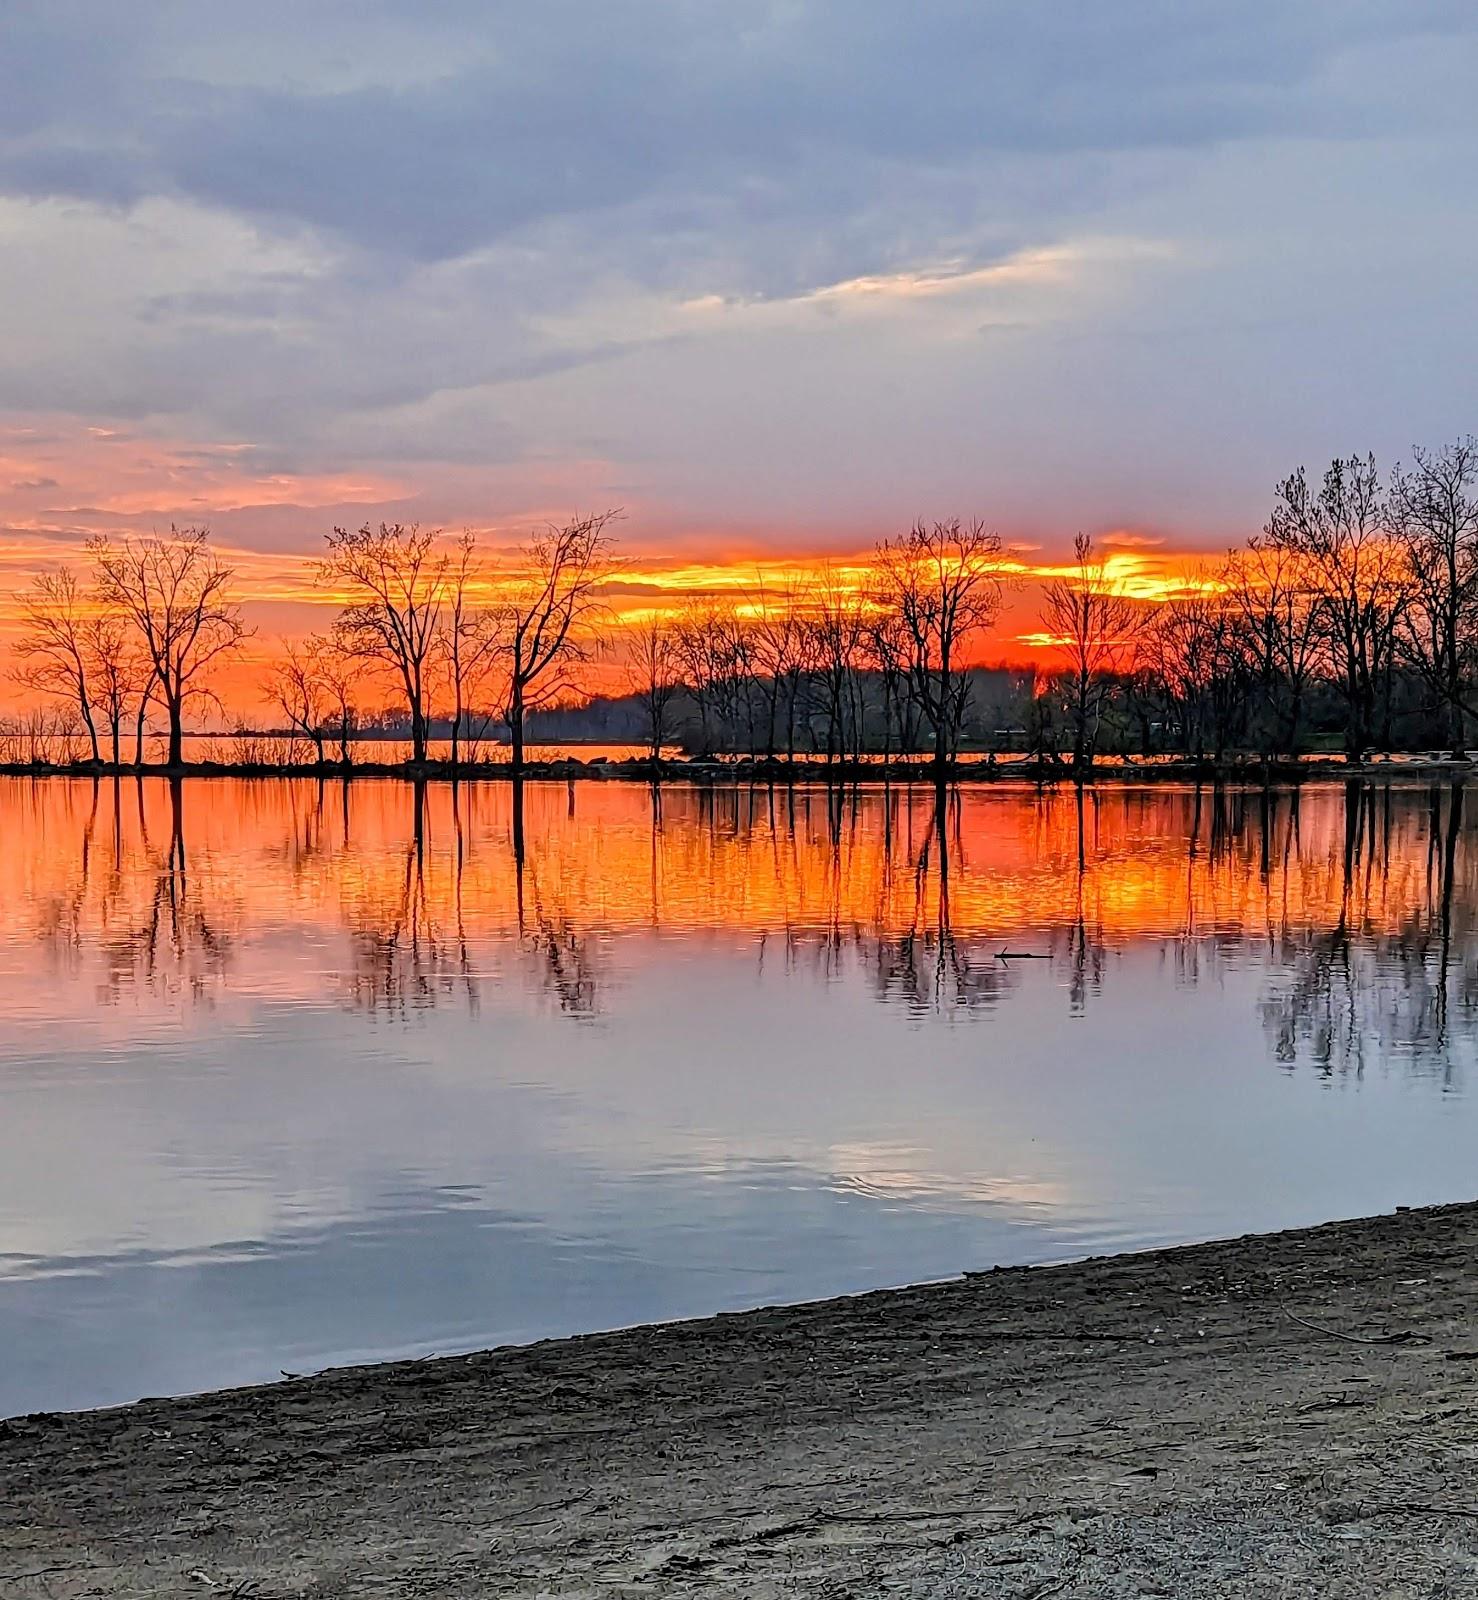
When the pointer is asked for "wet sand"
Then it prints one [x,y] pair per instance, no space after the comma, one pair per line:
[1294,1414]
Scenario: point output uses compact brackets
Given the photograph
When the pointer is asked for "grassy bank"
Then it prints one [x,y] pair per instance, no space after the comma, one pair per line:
[1281,1415]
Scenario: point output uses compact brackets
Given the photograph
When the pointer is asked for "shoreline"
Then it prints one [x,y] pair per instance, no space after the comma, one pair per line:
[763,774]
[1287,1413]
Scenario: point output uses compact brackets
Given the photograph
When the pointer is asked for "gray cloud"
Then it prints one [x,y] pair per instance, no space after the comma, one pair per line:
[346,230]
[569,109]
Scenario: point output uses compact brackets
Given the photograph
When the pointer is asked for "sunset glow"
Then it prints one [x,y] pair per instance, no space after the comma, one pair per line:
[770,352]
[58,488]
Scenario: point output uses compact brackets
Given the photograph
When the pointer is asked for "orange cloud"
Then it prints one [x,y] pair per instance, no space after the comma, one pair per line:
[75,478]
[62,481]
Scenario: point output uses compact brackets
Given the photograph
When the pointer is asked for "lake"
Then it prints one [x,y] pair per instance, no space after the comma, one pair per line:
[298,1074]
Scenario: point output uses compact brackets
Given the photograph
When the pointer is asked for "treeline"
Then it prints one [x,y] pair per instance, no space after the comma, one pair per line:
[1352,615]
[143,623]
[1354,609]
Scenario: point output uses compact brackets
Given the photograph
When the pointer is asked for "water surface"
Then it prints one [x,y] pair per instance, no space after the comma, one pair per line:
[297,1074]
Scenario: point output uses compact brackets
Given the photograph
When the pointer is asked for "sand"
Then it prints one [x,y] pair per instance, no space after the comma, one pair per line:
[1295,1414]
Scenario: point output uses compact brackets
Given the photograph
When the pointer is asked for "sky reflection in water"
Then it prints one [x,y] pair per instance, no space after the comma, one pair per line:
[296,1075]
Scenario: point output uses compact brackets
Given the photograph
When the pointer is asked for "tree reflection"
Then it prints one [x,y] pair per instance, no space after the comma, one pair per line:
[1370,989]
[563,956]
[423,939]
[151,925]
[928,965]
[406,955]
[1355,905]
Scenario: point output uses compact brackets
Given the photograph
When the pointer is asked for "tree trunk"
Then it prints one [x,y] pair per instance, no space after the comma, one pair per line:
[176,734]
[1295,717]
[92,729]
[941,722]
[1357,724]
[1080,727]
[941,749]
[515,729]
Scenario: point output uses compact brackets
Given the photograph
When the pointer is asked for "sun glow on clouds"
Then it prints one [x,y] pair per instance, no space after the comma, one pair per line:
[62,480]
[284,592]
[1027,286]
[1149,578]
[1058,267]
[82,478]
[276,489]
[1063,268]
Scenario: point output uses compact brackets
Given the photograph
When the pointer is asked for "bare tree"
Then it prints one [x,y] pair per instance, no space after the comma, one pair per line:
[1274,591]
[1097,628]
[1343,536]
[1194,649]
[887,644]
[295,686]
[655,677]
[1434,513]
[397,580]
[120,677]
[943,582]
[338,675]
[777,649]
[176,593]
[469,642]
[708,639]
[53,644]
[837,630]
[544,626]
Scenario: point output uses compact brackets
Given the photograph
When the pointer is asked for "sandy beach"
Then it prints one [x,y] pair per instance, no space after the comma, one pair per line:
[1294,1414]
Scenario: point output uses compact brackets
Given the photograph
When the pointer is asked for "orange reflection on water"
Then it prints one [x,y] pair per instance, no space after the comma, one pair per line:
[303,1073]
[402,893]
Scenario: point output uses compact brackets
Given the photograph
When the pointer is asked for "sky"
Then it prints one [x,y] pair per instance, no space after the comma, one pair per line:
[775,278]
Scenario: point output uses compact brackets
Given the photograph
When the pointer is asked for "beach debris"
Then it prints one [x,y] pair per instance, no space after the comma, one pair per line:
[1403,1336]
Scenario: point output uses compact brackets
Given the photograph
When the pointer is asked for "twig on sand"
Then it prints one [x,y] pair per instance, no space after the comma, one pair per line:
[822,1514]
[1404,1336]
[1419,1509]
[944,1514]
[548,1505]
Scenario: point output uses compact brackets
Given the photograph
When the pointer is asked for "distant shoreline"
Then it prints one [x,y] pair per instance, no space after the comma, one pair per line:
[1108,770]
[1171,1419]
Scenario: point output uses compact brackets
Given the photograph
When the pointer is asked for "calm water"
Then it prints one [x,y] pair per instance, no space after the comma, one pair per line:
[293,1076]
